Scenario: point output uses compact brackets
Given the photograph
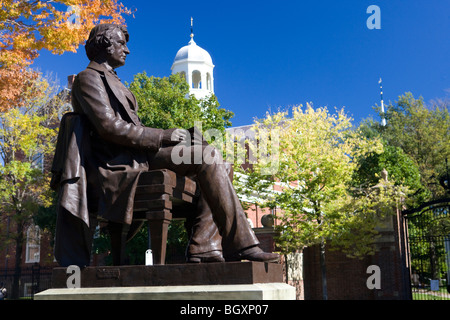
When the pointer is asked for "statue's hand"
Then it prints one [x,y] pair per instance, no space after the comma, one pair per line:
[174,136]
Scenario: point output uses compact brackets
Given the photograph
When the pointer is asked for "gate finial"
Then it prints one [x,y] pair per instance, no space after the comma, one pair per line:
[384,175]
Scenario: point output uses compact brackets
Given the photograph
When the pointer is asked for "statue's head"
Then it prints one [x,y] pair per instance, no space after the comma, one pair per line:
[108,42]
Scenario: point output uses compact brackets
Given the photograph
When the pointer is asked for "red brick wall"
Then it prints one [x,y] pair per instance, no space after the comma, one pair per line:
[347,277]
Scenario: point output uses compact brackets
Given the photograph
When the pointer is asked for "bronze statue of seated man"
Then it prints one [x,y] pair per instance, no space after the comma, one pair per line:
[107,148]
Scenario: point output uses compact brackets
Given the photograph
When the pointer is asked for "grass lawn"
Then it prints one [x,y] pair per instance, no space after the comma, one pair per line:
[422,294]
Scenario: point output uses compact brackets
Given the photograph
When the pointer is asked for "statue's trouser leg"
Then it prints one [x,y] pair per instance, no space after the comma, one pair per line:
[223,209]
[226,207]
[203,231]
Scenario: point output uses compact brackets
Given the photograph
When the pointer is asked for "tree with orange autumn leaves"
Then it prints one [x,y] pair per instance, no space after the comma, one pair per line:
[27,26]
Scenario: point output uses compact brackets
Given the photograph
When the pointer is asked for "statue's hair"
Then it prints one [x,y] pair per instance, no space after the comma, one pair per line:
[100,39]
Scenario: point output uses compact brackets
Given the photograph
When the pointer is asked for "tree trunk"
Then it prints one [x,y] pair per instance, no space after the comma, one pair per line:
[15,294]
[323,269]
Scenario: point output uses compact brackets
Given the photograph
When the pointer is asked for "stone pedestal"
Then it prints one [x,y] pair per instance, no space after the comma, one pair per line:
[209,281]
[257,291]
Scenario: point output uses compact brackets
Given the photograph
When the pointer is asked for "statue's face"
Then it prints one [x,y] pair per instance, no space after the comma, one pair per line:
[118,50]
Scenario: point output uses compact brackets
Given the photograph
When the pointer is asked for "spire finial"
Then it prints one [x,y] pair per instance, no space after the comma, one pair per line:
[383,119]
[192,28]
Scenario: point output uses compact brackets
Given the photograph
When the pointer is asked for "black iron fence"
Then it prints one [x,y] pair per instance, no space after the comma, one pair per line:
[429,248]
[27,282]
[430,274]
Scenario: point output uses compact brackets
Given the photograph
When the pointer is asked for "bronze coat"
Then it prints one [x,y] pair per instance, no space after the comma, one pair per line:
[119,145]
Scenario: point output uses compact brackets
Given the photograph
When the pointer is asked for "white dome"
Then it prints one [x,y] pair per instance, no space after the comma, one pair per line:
[192,52]
[196,65]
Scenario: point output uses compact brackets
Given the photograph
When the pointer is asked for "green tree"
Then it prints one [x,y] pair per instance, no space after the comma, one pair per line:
[403,171]
[422,131]
[26,138]
[165,103]
[317,156]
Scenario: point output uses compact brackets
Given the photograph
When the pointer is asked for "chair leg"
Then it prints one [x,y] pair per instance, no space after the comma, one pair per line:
[158,229]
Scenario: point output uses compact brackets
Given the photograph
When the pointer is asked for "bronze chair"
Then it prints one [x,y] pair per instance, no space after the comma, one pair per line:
[161,196]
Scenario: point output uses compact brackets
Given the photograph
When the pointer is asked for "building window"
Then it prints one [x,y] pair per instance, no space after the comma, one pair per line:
[208,81]
[196,80]
[33,247]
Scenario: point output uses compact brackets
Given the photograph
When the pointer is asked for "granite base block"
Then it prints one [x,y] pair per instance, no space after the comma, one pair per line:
[257,291]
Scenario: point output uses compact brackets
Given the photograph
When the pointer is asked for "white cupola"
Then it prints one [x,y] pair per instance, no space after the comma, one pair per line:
[196,65]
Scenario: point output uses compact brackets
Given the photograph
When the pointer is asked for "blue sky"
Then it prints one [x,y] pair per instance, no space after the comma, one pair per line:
[276,54]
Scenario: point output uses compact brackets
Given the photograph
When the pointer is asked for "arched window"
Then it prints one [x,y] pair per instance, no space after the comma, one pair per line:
[196,80]
[208,81]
